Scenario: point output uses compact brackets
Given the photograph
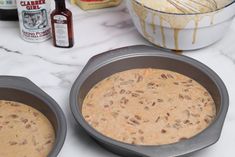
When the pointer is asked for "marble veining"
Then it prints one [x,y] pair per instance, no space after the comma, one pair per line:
[8,50]
[55,70]
[229,56]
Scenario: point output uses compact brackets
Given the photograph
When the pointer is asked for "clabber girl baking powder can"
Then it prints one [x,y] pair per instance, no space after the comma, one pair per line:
[34,19]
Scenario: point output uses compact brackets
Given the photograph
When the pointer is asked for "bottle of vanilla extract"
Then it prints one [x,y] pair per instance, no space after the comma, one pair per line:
[8,11]
[62,25]
[34,19]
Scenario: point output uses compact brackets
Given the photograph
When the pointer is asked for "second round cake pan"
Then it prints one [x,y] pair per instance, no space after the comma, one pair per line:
[22,90]
[101,66]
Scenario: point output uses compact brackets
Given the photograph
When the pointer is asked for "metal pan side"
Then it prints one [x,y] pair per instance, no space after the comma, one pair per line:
[22,90]
[104,65]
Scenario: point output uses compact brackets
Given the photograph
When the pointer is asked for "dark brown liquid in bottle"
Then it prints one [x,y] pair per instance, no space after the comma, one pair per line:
[62,26]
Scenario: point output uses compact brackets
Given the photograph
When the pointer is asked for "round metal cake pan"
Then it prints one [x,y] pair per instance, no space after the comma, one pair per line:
[20,89]
[106,64]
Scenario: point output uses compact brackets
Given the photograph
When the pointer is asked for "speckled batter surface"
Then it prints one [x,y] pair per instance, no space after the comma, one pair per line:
[24,131]
[148,107]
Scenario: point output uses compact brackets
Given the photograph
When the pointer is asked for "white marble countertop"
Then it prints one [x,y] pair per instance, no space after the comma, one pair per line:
[54,69]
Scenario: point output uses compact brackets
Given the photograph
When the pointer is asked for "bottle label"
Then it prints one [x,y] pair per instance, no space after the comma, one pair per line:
[7,4]
[61,31]
[34,20]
